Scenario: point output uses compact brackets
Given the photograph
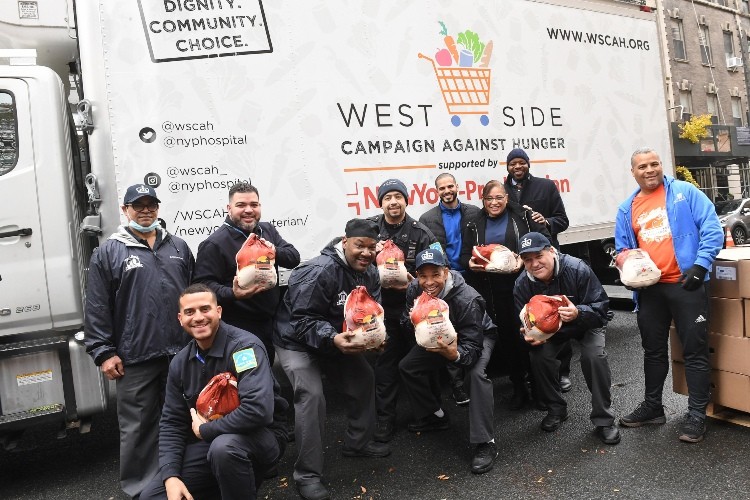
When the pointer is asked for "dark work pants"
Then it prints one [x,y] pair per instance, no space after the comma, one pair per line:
[546,366]
[264,331]
[565,356]
[230,467]
[420,371]
[387,378]
[482,403]
[658,305]
[509,340]
[352,375]
[140,396]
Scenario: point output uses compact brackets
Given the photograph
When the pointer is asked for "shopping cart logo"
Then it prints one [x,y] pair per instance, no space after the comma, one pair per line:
[463,74]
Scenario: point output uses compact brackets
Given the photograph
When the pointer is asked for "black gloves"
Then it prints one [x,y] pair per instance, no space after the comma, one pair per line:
[693,277]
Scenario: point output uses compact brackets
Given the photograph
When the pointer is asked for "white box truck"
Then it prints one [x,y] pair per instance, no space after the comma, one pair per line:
[317,103]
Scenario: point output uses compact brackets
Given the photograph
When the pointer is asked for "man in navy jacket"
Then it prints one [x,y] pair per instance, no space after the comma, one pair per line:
[250,309]
[201,458]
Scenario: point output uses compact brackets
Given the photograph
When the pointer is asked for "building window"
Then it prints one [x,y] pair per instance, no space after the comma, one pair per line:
[728,44]
[705,42]
[737,111]
[678,39]
[8,133]
[721,2]
[686,101]
[712,104]
[744,6]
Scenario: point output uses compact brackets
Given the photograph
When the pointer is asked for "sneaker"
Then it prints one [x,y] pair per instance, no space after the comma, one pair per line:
[692,429]
[430,423]
[644,415]
[459,394]
[313,491]
[484,458]
[565,383]
[370,450]
[384,430]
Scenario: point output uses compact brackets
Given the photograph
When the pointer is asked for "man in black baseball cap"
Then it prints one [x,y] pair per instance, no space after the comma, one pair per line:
[135,279]
[476,339]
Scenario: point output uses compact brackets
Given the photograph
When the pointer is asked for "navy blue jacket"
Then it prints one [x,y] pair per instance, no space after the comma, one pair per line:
[261,404]
[216,266]
[312,311]
[572,277]
[132,297]
[467,315]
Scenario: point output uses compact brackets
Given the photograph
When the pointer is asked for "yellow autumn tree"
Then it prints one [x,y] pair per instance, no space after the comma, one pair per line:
[696,128]
[683,174]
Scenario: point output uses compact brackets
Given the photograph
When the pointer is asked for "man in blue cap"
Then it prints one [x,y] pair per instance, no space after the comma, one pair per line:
[476,337]
[584,318]
[411,237]
[135,279]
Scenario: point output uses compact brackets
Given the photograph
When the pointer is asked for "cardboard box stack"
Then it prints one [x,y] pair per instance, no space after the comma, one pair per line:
[729,333]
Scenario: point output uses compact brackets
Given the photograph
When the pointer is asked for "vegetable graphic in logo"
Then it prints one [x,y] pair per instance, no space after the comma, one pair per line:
[466,88]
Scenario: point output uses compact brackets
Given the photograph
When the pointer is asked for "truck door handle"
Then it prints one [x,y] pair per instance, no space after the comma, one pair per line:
[18,232]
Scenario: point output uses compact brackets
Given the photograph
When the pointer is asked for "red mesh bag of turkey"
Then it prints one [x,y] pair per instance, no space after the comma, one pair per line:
[540,317]
[390,262]
[430,317]
[256,263]
[364,317]
[219,397]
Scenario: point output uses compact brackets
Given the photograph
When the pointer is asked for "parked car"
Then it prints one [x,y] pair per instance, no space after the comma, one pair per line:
[736,216]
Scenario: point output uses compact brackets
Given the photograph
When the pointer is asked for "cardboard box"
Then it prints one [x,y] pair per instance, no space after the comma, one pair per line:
[725,352]
[730,274]
[727,389]
[727,316]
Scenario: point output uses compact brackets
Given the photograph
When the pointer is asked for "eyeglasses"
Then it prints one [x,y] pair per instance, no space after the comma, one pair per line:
[498,198]
[142,207]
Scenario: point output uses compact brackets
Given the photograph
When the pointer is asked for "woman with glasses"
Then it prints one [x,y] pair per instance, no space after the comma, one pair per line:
[501,221]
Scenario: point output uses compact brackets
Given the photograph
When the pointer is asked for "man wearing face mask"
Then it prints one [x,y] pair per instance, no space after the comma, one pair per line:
[135,279]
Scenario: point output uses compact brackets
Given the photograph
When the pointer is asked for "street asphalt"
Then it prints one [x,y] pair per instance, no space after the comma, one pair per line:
[650,462]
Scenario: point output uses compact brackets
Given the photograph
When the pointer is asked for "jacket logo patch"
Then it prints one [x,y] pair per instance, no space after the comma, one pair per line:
[679,197]
[244,360]
[342,299]
[132,262]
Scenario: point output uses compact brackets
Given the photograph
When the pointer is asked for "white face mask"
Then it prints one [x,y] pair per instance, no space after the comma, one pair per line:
[144,229]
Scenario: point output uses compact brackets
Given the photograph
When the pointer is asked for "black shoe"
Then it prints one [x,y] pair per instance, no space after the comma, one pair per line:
[692,429]
[484,458]
[608,434]
[520,397]
[565,383]
[370,450]
[384,430]
[430,423]
[552,422]
[313,491]
[644,415]
[459,394]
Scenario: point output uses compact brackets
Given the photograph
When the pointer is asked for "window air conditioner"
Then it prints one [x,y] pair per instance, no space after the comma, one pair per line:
[734,63]
[711,88]
[702,20]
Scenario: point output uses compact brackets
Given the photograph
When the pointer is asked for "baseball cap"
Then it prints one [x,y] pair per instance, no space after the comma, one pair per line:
[430,256]
[139,191]
[362,228]
[533,242]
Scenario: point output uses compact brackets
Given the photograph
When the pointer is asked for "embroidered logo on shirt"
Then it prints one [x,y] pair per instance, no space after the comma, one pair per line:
[679,197]
[342,299]
[132,262]
[244,360]
[436,246]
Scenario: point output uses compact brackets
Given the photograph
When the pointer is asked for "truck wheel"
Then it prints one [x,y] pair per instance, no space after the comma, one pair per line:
[739,235]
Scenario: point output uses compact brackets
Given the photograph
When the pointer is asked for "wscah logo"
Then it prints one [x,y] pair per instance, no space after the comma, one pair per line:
[526,242]
[342,299]
[143,189]
[428,255]
[132,262]
[463,75]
